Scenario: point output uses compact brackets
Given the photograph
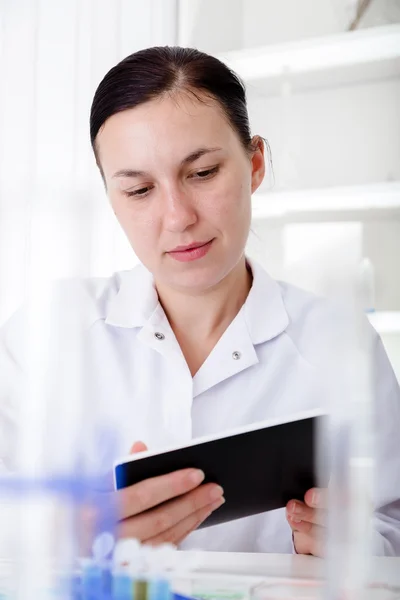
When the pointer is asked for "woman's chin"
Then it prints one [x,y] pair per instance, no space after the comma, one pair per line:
[193,279]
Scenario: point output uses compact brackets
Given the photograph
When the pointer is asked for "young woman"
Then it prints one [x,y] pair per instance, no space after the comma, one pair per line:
[199,339]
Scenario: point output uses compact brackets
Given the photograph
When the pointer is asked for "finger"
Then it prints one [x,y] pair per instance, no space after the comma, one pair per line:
[145,495]
[308,538]
[317,498]
[138,447]
[161,518]
[300,512]
[175,535]
[311,542]
[299,525]
[158,520]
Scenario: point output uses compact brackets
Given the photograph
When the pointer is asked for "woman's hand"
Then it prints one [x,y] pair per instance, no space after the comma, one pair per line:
[166,508]
[308,520]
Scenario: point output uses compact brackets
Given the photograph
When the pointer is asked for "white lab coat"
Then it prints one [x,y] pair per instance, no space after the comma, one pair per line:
[137,385]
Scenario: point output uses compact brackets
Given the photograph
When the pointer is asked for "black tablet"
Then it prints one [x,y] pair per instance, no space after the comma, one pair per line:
[260,467]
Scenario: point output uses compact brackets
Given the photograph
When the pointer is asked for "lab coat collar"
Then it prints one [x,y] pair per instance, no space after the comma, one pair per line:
[136,303]
[264,309]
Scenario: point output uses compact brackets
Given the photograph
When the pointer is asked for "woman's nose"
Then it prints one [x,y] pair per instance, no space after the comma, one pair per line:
[179,212]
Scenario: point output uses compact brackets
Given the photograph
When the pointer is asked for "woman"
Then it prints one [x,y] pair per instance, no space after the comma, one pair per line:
[199,339]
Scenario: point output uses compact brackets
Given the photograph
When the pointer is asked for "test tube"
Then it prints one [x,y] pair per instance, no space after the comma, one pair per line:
[349,546]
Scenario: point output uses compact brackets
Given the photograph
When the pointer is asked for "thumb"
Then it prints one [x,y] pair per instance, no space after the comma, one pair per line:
[138,447]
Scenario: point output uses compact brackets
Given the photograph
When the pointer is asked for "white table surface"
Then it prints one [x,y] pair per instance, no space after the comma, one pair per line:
[383,570]
[274,567]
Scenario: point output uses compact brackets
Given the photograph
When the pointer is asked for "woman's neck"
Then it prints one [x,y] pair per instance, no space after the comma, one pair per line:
[200,320]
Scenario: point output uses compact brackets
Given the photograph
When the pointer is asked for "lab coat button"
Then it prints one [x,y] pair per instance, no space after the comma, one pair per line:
[159,336]
[236,355]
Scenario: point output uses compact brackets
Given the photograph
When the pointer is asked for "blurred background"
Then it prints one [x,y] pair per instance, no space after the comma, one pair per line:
[323,81]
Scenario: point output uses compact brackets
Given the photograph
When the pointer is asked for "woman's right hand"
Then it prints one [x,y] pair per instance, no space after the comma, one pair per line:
[167,508]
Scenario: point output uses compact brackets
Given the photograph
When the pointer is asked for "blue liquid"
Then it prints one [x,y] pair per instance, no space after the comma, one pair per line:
[159,589]
[122,587]
[92,583]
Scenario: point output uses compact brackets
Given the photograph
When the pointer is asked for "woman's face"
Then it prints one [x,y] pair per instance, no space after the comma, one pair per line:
[180,184]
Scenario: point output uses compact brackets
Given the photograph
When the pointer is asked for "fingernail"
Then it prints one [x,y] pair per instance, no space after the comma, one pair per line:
[216,493]
[217,504]
[316,498]
[295,520]
[196,476]
[295,508]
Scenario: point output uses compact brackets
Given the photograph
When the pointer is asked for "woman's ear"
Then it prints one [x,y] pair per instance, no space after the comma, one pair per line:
[257,163]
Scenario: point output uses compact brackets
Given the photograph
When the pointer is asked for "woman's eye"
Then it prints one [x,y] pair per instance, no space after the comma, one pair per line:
[205,174]
[138,193]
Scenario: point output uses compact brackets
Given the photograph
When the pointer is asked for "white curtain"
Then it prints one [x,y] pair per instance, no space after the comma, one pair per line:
[54,217]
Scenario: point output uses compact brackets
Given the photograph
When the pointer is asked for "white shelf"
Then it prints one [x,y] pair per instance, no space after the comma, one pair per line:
[385,322]
[328,203]
[344,58]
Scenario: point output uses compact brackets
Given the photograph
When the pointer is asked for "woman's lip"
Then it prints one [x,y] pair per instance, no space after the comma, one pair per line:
[190,247]
[192,253]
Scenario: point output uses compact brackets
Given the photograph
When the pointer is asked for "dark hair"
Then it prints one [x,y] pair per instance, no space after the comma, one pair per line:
[149,73]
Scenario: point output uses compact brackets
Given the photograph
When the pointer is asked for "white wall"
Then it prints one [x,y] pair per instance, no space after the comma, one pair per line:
[211,25]
[270,22]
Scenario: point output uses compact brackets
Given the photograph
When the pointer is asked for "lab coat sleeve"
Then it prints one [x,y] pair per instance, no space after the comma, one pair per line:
[386,539]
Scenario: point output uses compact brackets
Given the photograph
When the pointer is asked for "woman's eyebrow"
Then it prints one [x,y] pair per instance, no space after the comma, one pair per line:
[192,157]
[129,173]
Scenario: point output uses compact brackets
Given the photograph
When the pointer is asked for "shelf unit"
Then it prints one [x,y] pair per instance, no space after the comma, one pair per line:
[341,60]
[322,204]
[334,60]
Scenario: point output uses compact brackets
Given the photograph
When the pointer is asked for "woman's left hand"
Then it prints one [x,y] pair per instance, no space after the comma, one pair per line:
[308,520]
